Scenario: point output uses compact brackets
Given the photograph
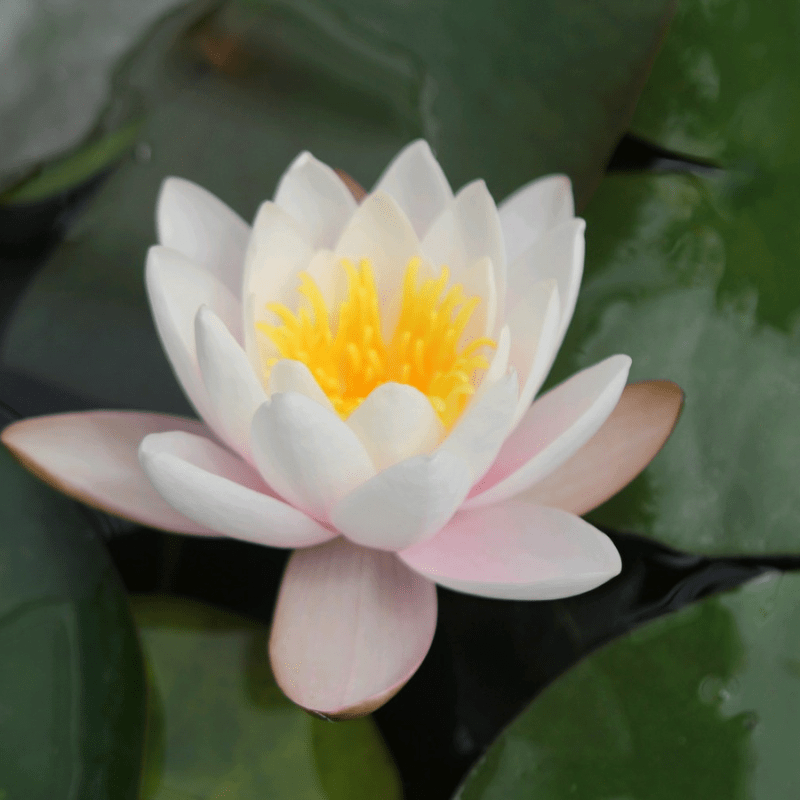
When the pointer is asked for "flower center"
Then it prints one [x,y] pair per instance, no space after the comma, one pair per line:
[423,351]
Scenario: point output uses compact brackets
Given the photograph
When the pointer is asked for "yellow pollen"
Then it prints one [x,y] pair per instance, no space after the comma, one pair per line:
[423,351]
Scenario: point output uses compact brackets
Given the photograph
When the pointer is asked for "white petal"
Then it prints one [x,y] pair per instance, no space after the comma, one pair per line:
[234,391]
[199,225]
[176,288]
[534,323]
[380,231]
[294,376]
[218,490]
[556,254]
[556,426]
[469,230]
[478,280]
[396,421]
[418,184]
[480,431]
[516,551]
[279,248]
[92,456]
[307,454]
[533,209]
[351,626]
[317,197]
[404,504]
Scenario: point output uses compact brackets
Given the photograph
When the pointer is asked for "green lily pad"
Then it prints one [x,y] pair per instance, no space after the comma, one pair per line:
[704,703]
[726,85]
[692,277]
[219,726]
[72,694]
[241,92]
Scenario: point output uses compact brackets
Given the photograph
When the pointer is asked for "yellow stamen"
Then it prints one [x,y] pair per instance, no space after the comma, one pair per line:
[422,352]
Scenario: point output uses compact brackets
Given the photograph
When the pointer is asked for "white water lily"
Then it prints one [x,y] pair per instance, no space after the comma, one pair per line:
[365,374]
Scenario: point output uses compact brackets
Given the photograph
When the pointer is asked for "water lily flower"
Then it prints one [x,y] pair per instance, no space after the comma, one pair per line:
[364,373]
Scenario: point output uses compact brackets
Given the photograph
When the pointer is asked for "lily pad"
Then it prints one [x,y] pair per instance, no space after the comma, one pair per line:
[726,86]
[692,277]
[241,92]
[72,694]
[219,725]
[704,703]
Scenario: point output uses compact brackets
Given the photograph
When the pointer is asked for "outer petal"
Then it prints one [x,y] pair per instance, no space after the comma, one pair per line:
[533,209]
[233,389]
[418,184]
[629,439]
[176,289]
[556,426]
[199,225]
[307,453]
[395,422]
[214,487]
[480,431]
[404,504]
[557,254]
[468,230]
[516,551]
[534,323]
[316,197]
[91,456]
[350,628]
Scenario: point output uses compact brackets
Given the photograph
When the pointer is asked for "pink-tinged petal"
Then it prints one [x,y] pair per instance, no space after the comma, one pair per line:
[626,443]
[533,209]
[219,490]
[380,232]
[307,453]
[351,626]
[516,551]
[92,456]
[289,375]
[534,323]
[199,225]
[557,254]
[395,422]
[466,231]
[556,426]
[176,288]
[479,433]
[278,250]
[418,184]
[404,504]
[233,389]
[316,197]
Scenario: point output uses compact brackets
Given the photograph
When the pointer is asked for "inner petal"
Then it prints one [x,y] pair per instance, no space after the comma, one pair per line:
[349,356]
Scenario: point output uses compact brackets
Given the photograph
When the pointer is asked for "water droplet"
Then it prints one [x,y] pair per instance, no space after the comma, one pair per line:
[709,689]
[749,720]
[143,153]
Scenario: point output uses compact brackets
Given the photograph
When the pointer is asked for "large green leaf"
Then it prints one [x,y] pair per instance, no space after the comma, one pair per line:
[505,92]
[672,267]
[704,703]
[220,727]
[726,85]
[696,278]
[72,698]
